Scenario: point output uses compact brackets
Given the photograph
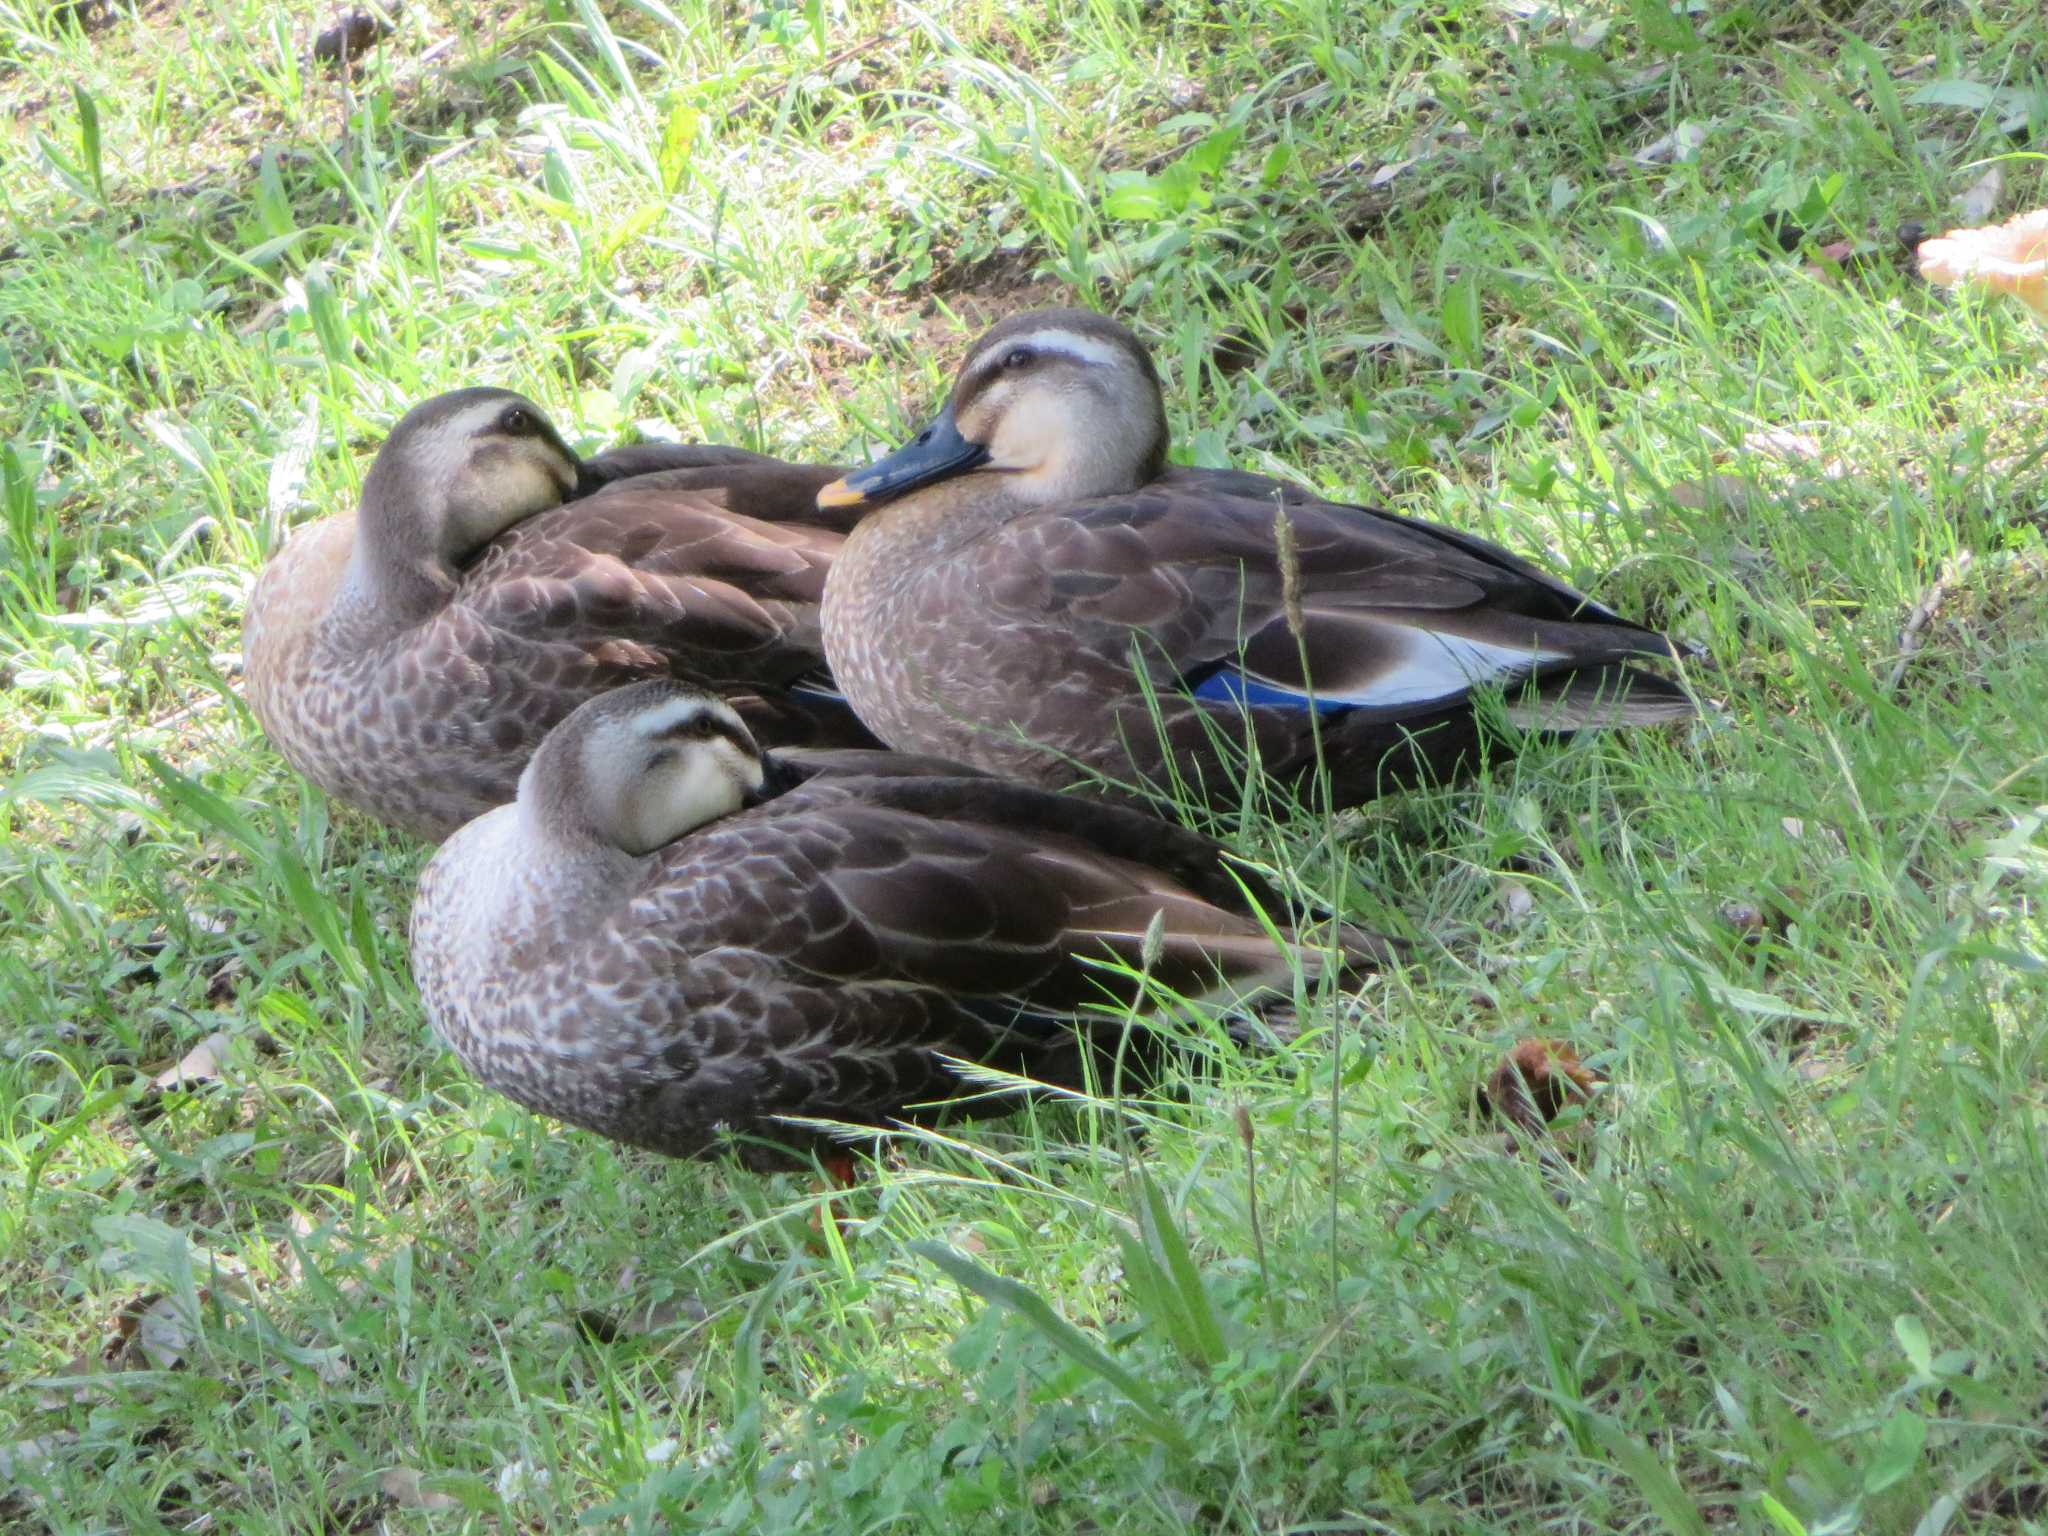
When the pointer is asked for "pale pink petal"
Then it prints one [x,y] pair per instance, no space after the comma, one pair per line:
[2003,258]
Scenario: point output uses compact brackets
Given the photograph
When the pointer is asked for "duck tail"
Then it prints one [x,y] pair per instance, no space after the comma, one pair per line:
[1600,698]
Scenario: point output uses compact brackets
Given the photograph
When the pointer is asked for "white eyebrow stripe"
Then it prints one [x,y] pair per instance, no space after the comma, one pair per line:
[1090,350]
[443,447]
[667,717]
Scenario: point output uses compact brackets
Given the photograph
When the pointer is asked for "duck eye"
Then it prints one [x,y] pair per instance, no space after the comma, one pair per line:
[704,727]
[517,422]
[1018,357]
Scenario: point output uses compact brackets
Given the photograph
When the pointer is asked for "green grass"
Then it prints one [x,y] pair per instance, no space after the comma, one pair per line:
[1794,1280]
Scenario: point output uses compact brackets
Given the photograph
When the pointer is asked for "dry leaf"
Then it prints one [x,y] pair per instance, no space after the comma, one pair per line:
[1515,899]
[1789,447]
[1816,1069]
[401,1485]
[1745,917]
[1674,148]
[1792,826]
[302,1227]
[1833,258]
[1712,492]
[2005,258]
[1976,203]
[1782,444]
[155,1327]
[518,1479]
[350,38]
[1535,1081]
[602,1327]
[201,1064]
[19,1456]
[60,1387]
[666,1314]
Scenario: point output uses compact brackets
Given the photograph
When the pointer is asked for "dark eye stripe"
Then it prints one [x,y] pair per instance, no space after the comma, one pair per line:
[704,725]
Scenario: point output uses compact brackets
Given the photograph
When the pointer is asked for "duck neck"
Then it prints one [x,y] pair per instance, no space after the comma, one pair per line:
[386,590]
[567,873]
[398,577]
[928,525]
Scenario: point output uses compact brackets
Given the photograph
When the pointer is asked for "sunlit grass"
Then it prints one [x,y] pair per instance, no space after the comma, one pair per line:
[1560,279]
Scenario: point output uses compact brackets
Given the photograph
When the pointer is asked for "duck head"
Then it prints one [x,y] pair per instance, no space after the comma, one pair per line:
[638,767]
[456,472]
[1051,406]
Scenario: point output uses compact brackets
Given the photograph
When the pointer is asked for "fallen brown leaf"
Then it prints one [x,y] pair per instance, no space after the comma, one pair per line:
[350,38]
[1745,917]
[602,1327]
[1712,492]
[62,1387]
[201,1064]
[21,1456]
[1977,202]
[1535,1081]
[1517,902]
[401,1485]
[1782,444]
[155,1327]
[1674,148]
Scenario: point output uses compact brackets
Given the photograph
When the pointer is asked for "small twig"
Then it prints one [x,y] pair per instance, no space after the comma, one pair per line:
[759,98]
[1251,1195]
[852,344]
[1952,572]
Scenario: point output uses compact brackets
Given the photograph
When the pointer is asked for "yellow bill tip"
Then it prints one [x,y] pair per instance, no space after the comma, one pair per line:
[840,494]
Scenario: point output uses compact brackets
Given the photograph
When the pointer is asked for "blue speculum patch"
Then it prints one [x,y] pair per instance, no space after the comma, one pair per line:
[814,688]
[1227,685]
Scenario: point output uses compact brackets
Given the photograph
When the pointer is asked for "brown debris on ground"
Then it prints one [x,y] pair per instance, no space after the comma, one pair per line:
[1534,1084]
[345,43]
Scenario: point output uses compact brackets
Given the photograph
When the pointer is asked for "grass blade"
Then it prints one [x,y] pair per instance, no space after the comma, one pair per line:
[1057,1331]
[89,139]
[1653,1480]
[1163,1241]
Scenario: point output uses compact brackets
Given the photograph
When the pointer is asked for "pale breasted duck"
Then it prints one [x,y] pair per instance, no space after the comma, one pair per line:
[1036,584]
[409,657]
[670,940]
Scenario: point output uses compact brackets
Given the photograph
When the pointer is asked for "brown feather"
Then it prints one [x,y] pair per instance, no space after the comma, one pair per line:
[825,954]
[664,570]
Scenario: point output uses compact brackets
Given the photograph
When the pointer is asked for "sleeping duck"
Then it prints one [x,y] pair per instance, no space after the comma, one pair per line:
[1037,593]
[675,941]
[410,656]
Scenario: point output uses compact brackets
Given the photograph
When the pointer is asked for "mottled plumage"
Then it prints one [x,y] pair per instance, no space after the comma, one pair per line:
[818,953]
[1031,559]
[408,658]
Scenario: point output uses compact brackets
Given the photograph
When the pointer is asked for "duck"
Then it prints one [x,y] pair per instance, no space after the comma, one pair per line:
[1032,590]
[686,944]
[408,656]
